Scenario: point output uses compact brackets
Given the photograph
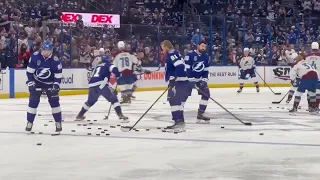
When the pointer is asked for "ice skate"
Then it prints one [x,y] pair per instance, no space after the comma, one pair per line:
[293,111]
[29,126]
[124,119]
[202,119]
[58,127]
[125,100]
[257,89]
[176,127]
[240,90]
[313,111]
[80,118]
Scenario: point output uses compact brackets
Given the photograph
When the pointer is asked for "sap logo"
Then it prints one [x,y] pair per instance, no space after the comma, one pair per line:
[69,18]
[43,73]
[103,19]
[67,80]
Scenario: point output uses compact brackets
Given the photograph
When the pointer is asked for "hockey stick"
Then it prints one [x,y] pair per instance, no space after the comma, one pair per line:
[278,102]
[107,116]
[267,85]
[245,123]
[129,128]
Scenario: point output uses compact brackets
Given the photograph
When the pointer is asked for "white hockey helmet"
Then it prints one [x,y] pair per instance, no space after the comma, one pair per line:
[121,44]
[315,45]
[101,50]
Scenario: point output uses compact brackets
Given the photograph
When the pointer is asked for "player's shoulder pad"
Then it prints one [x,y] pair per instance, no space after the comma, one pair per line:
[55,58]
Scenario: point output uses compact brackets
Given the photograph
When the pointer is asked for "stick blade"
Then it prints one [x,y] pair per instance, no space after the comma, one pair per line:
[126,128]
[277,93]
[275,102]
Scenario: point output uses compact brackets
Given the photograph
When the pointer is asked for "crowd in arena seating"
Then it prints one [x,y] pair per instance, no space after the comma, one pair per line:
[271,30]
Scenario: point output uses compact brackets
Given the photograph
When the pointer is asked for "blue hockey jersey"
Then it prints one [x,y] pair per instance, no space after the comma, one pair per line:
[101,74]
[44,71]
[197,66]
[175,67]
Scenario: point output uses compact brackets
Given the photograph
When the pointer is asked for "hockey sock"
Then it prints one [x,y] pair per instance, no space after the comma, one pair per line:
[31,113]
[241,85]
[117,107]
[176,111]
[84,109]
[312,101]
[290,95]
[257,84]
[56,109]
[134,88]
[204,100]
[297,100]
[317,98]
[308,99]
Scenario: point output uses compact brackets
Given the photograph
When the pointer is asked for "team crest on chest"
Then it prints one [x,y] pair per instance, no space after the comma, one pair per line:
[38,63]
[195,58]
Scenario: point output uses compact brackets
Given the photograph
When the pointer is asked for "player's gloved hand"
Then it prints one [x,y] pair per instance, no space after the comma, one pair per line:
[55,88]
[31,85]
[202,84]
[294,83]
[147,72]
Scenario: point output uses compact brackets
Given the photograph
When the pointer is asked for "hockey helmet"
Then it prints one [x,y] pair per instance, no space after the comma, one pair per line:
[315,45]
[47,48]
[121,45]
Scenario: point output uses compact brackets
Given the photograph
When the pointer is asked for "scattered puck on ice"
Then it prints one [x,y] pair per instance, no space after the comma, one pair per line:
[240,108]
[39,115]
[88,120]
[261,134]
[270,107]
[39,144]
[32,132]
[112,127]
[73,130]
[98,134]
[137,130]
[88,128]
[134,129]
[102,132]
[222,127]
[40,132]
[175,132]
[107,134]
[91,123]
[95,120]
[282,108]
[84,125]
[119,125]
[299,107]
[164,131]
[78,124]
[45,124]
[50,121]
[99,128]
[147,129]
[158,127]
[54,134]
[89,134]
[277,107]
[105,129]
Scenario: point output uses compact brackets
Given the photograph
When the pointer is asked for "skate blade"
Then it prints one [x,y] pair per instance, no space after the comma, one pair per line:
[124,121]
[180,130]
[203,122]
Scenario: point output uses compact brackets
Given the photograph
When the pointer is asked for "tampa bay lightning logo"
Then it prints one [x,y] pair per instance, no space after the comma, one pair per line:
[43,73]
[198,67]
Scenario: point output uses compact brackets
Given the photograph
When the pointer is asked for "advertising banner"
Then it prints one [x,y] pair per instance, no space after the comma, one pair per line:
[92,20]
[278,74]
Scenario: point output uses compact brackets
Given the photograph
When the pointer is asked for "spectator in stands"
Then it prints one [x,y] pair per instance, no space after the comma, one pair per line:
[24,56]
[197,37]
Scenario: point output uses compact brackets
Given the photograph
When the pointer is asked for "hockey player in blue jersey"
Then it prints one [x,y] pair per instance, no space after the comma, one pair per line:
[44,73]
[197,65]
[176,77]
[99,85]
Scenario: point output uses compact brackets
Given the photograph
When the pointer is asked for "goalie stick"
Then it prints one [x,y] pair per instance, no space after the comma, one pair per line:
[129,128]
[267,85]
[278,102]
[242,122]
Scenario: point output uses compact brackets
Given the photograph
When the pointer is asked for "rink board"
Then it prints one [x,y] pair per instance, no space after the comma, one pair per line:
[75,81]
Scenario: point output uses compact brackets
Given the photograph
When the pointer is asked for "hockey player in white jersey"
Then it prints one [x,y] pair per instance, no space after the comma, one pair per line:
[247,68]
[309,80]
[126,63]
[313,58]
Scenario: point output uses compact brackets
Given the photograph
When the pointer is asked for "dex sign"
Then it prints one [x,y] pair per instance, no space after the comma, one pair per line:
[93,20]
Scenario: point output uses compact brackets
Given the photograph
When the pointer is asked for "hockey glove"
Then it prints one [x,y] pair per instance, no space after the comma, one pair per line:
[32,86]
[202,84]
[55,88]
[294,83]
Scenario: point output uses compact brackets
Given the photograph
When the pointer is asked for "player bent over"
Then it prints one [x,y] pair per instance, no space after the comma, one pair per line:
[314,59]
[176,76]
[99,85]
[247,67]
[44,73]
[309,81]
[197,65]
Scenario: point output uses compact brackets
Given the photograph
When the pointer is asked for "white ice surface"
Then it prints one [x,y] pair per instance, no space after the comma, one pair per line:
[288,150]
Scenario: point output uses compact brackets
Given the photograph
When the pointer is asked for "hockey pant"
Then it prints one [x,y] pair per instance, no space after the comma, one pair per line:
[95,92]
[176,95]
[53,99]
[125,84]
[309,84]
[244,76]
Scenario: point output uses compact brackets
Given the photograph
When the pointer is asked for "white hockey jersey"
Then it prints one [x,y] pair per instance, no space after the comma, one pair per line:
[246,63]
[314,60]
[125,61]
[300,69]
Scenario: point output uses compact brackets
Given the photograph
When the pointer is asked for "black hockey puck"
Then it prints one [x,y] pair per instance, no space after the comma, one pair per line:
[147,129]
[277,107]
[105,129]
[134,129]
[32,132]
[89,134]
[45,124]
[282,108]
[240,108]
[222,127]
[98,134]
[164,103]
[270,107]
[88,120]
[175,132]
[88,128]
[84,124]
[73,130]
[99,128]
[299,107]
[107,134]
[119,125]
[112,127]
[40,132]
[261,134]
[54,134]
[39,114]
[39,144]
[78,124]
[164,131]
[137,130]
[158,127]
[95,120]
[102,132]
[90,123]
[50,121]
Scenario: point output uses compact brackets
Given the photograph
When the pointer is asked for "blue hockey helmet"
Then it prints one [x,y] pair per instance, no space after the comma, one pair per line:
[47,48]
[105,59]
